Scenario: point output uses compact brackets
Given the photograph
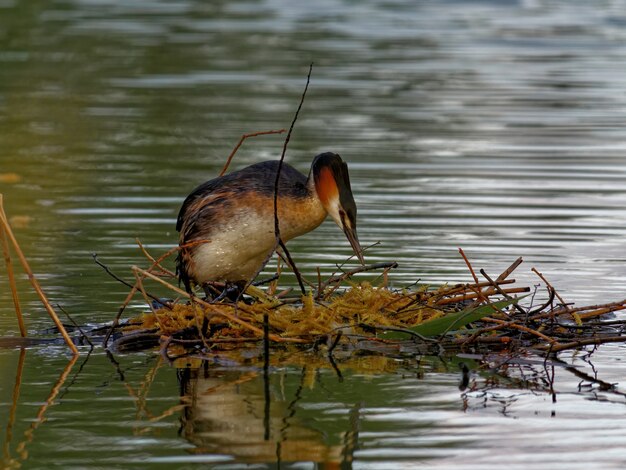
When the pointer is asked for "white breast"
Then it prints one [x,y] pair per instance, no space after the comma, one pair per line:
[237,250]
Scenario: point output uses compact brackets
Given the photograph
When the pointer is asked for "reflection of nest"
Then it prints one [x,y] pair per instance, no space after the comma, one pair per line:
[345,315]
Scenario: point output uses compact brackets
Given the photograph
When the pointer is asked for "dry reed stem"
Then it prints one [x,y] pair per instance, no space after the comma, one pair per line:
[348,274]
[244,137]
[469,265]
[464,287]
[33,280]
[11,276]
[80,330]
[475,294]
[133,291]
[12,412]
[278,242]
[550,286]
[600,311]
[140,288]
[501,292]
[116,320]
[525,329]
[506,273]
[152,260]
[589,311]
[555,348]
[40,418]
[175,409]
[563,303]
[141,395]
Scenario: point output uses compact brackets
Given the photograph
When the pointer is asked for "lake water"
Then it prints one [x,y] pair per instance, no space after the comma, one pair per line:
[495,126]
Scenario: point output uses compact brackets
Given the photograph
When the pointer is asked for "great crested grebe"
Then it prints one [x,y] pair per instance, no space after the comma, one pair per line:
[231,218]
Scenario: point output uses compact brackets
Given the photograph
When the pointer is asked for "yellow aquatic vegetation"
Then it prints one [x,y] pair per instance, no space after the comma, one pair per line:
[345,318]
[361,304]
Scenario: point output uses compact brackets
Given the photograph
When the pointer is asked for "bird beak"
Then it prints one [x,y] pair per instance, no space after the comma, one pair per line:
[354,242]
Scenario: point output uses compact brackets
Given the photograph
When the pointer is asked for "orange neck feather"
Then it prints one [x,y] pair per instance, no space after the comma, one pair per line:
[326,187]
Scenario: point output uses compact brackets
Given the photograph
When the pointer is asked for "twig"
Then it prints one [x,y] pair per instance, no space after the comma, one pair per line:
[10,275]
[134,287]
[465,287]
[501,292]
[76,325]
[152,260]
[40,418]
[293,266]
[617,305]
[280,166]
[109,272]
[335,343]
[469,265]
[348,274]
[141,288]
[474,295]
[244,137]
[33,280]
[525,329]
[585,342]
[551,294]
[278,174]
[14,400]
[507,272]
[550,286]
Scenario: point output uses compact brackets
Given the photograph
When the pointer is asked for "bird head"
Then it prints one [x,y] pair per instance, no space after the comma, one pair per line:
[332,184]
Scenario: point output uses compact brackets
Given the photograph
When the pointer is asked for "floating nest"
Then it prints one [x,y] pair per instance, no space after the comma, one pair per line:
[347,317]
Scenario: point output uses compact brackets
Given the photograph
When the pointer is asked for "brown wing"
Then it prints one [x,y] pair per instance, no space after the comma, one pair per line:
[212,202]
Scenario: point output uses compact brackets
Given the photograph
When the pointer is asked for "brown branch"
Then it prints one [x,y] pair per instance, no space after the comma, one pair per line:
[501,292]
[507,272]
[14,400]
[469,265]
[244,137]
[76,325]
[465,287]
[152,260]
[348,274]
[280,167]
[474,295]
[551,293]
[134,287]
[278,174]
[132,292]
[525,329]
[33,280]
[293,266]
[9,265]
[584,342]
[40,418]
[550,286]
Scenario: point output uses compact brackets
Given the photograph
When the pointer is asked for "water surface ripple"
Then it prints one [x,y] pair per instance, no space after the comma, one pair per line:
[496,126]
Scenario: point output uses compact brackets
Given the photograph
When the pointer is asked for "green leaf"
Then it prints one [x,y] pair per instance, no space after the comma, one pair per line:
[451,321]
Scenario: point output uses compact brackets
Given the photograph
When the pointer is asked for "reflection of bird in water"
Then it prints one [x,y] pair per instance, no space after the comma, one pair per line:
[228,415]
[232,217]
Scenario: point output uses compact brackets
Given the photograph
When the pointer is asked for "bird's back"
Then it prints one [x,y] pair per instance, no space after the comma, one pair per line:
[256,180]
